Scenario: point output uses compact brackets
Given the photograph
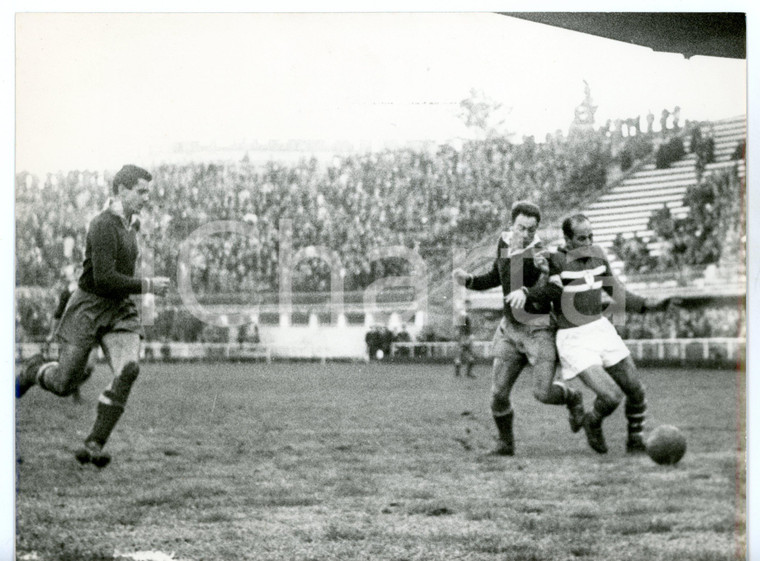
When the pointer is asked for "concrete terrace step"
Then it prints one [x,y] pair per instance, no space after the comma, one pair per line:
[726,143]
[724,129]
[726,124]
[648,170]
[612,213]
[674,172]
[603,217]
[644,193]
[607,239]
[610,232]
[741,165]
[626,209]
[606,242]
[635,225]
[618,204]
[620,221]
[678,178]
[687,163]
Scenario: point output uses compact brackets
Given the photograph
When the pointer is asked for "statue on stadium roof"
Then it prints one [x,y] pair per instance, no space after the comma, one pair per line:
[584,112]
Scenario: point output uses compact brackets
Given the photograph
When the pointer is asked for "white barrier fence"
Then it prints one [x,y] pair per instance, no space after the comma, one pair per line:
[724,349]
[671,350]
[206,351]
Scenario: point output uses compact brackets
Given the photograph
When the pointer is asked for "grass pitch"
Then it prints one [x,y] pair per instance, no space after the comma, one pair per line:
[302,461]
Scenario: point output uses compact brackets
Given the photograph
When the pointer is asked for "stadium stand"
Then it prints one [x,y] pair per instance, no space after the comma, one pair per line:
[430,202]
[627,207]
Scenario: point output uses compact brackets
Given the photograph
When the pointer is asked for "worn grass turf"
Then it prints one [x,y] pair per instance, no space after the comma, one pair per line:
[297,461]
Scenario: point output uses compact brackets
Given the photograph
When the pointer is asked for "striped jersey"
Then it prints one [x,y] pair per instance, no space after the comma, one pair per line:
[583,274]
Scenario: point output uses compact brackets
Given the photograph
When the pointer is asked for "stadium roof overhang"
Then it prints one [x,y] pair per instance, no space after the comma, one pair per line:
[688,33]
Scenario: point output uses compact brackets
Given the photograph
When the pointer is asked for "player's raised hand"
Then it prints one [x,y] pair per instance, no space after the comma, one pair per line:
[516,299]
[541,262]
[159,285]
[460,276]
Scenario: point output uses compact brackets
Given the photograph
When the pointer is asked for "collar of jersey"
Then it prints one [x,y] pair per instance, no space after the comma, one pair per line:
[506,237]
[115,207]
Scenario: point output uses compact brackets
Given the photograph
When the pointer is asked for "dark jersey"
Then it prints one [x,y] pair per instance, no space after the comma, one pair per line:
[514,270]
[110,257]
[582,275]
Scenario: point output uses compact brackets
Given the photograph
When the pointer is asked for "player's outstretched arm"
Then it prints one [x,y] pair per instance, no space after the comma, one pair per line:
[461,276]
[661,304]
[491,279]
[156,285]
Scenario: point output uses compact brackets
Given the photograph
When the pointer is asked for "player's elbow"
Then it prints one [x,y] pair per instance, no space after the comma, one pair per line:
[103,281]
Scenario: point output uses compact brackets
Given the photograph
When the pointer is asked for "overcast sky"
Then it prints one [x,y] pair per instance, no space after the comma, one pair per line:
[96,90]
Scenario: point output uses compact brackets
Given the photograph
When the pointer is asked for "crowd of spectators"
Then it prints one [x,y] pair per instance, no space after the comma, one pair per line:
[703,321]
[420,200]
[428,201]
[709,232]
[685,323]
[34,317]
[423,200]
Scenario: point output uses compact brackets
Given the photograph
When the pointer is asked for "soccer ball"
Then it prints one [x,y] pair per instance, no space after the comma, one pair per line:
[379,354]
[666,445]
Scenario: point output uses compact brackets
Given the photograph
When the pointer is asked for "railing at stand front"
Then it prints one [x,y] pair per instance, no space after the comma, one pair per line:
[666,351]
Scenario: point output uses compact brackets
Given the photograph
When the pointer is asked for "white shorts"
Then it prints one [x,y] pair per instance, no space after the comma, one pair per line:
[596,343]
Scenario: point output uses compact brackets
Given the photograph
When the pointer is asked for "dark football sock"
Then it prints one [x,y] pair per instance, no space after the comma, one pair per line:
[558,394]
[602,408]
[635,413]
[112,402]
[108,415]
[504,425]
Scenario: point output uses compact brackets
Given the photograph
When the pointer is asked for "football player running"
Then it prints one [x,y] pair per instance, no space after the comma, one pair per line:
[525,337]
[588,345]
[100,311]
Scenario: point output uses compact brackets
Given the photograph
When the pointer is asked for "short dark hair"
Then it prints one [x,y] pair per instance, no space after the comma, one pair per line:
[527,208]
[128,176]
[570,222]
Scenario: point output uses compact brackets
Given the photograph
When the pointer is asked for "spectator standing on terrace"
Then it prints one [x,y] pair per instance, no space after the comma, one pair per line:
[695,138]
[101,312]
[677,118]
[664,122]
[524,339]
[650,122]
